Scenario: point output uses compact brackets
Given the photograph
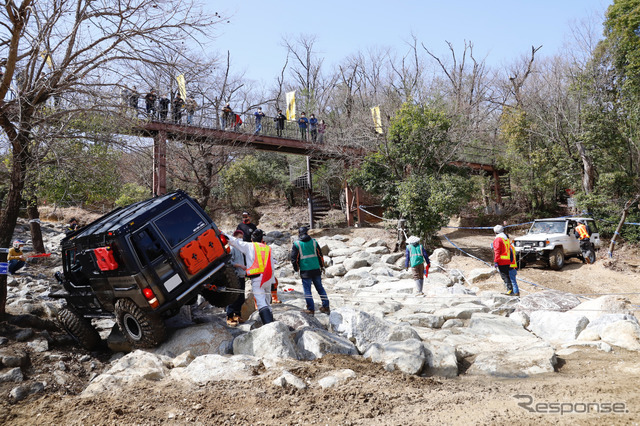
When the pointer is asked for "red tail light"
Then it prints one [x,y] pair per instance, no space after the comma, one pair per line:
[225,243]
[151,298]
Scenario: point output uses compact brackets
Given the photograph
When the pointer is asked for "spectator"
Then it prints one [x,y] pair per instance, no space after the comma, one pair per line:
[237,123]
[322,127]
[71,227]
[176,108]
[246,226]
[279,119]
[134,96]
[416,257]
[164,107]
[313,127]
[191,106]
[234,310]
[303,122]
[227,116]
[16,257]
[150,99]
[259,114]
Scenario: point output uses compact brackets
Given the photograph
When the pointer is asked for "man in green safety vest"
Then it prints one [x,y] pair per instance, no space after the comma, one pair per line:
[416,257]
[306,257]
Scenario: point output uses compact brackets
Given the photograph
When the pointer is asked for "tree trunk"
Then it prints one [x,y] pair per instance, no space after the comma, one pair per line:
[627,206]
[588,170]
[34,225]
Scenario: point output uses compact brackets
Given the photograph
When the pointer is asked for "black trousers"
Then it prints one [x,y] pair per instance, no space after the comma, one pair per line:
[504,274]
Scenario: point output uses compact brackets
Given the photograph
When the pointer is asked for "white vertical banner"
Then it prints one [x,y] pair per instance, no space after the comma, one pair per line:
[290,98]
[182,86]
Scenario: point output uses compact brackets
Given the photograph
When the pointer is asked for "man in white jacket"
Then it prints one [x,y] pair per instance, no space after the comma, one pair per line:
[259,271]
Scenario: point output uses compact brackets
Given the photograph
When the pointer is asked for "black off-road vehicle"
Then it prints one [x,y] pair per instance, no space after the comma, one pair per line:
[141,263]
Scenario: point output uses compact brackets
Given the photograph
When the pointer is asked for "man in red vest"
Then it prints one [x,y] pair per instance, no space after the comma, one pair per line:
[259,271]
[502,256]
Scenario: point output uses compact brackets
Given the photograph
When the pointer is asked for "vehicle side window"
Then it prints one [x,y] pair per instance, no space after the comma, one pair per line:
[146,247]
[179,224]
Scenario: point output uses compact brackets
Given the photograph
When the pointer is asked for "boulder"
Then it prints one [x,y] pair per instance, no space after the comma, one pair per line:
[336,271]
[625,334]
[408,356]
[21,392]
[336,377]
[462,311]
[13,375]
[441,256]
[438,279]
[345,251]
[201,339]
[477,275]
[315,343]
[213,368]
[557,327]
[297,320]
[604,305]
[441,360]
[547,300]
[354,263]
[358,242]
[378,250]
[13,358]
[391,258]
[272,340]
[425,320]
[288,379]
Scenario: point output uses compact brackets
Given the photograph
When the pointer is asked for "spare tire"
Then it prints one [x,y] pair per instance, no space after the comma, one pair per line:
[79,328]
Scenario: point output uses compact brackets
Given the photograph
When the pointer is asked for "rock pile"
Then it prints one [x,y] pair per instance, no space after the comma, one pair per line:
[455,329]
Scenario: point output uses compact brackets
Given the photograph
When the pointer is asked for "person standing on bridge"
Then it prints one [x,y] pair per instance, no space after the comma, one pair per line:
[303,122]
[176,108]
[228,117]
[279,119]
[313,127]
[190,106]
[322,127]
[164,107]
[259,114]
[134,96]
[150,100]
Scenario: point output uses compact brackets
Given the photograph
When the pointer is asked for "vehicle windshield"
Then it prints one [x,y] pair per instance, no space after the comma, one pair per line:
[547,227]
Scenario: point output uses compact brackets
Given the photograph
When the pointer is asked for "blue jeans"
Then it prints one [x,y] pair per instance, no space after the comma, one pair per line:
[512,275]
[317,283]
[14,265]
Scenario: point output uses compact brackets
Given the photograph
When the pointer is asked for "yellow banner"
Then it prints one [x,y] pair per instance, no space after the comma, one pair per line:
[291,105]
[182,86]
[45,55]
[377,122]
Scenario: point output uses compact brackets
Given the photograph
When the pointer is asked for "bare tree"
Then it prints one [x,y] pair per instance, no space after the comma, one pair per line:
[73,51]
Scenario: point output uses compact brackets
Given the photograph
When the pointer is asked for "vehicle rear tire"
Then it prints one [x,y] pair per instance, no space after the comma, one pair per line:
[556,259]
[591,257]
[142,329]
[225,278]
[80,329]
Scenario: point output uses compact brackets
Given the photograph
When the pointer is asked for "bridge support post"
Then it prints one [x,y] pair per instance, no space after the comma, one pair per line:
[310,193]
[348,200]
[496,179]
[160,163]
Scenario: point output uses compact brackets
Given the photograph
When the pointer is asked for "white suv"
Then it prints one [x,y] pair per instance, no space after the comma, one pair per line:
[552,241]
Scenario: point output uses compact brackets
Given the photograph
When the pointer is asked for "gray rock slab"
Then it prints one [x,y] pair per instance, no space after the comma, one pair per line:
[604,305]
[408,356]
[213,368]
[441,360]
[557,327]
[337,377]
[548,300]
[272,340]
[316,343]
[201,339]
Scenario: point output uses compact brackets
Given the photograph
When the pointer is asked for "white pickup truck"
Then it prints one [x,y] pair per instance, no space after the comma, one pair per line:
[552,241]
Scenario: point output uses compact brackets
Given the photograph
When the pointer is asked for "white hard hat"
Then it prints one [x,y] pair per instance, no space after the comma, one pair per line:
[498,229]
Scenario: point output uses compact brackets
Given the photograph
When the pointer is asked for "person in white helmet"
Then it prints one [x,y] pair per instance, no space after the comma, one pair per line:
[502,256]
[16,257]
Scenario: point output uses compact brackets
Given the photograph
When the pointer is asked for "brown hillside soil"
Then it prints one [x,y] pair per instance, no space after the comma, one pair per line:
[377,396]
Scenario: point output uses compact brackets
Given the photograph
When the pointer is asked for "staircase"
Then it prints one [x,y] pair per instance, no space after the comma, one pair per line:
[319,205]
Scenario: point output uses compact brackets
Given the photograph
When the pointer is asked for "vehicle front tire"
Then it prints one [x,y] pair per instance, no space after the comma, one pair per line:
[80,329]
[556,259]
[142,329]
[225,278]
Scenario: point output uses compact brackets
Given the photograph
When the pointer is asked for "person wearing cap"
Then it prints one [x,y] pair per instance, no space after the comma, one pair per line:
[416,257]
[71,227]
[279,119]
[246,226]
[258,114]
[234,310]
[16,257]
[502,256]
[259,270]
[306,257]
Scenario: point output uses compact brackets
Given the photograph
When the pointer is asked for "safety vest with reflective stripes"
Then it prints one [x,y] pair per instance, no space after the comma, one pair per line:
[582,231]
[506,254]
[260,262]
[514,263]
[307,254]
[415,255]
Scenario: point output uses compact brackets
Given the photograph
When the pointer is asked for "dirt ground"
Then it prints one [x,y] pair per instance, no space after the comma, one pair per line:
[606,383]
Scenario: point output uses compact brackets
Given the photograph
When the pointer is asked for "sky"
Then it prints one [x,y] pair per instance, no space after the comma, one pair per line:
[500,30]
